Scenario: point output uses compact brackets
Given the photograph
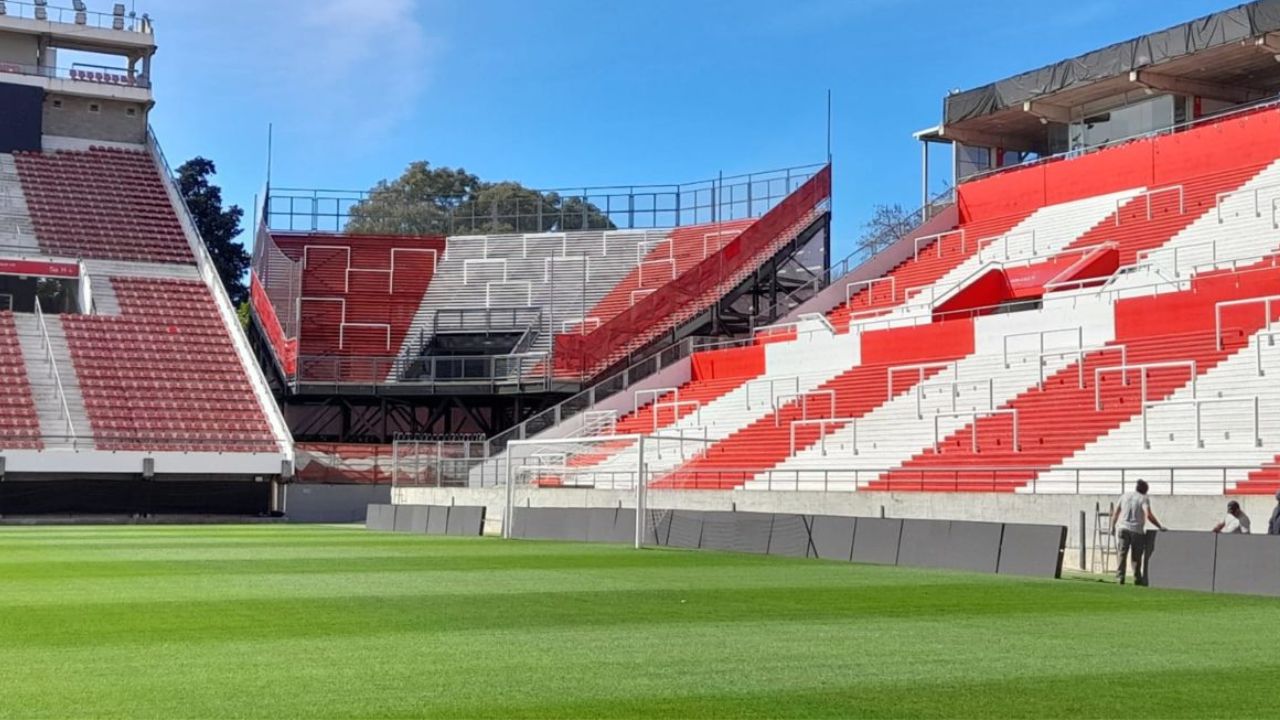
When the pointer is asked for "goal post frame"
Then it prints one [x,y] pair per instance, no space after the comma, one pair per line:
[641,489]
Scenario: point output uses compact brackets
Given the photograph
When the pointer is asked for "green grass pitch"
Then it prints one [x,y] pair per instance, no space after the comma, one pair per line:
[320,622]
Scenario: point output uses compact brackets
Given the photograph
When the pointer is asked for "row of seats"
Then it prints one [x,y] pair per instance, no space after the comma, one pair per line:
[19,425]
[102,203]
[164,375]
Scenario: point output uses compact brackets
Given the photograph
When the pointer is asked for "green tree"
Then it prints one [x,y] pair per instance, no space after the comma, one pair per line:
[217,225]
[449,201]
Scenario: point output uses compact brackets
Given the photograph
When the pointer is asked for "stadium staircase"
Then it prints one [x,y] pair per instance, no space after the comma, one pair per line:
[16,229]
[53,382]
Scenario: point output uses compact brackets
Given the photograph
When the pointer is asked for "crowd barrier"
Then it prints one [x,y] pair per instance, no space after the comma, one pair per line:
[1003,548]
[426,519]
[1236,564]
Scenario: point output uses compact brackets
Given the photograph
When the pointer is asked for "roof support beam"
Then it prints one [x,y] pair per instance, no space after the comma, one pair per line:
[1200,88]
[1046,112]
[1269,43]
[977,138]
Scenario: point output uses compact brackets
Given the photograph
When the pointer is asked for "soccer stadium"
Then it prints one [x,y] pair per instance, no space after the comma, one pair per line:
[649,449]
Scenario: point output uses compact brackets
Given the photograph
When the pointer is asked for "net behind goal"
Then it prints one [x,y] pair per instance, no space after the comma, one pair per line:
[607,477]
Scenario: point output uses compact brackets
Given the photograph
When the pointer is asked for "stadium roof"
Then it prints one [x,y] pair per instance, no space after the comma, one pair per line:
[1232,55]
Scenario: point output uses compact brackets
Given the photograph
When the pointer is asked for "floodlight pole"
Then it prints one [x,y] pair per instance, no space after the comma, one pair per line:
[640,497]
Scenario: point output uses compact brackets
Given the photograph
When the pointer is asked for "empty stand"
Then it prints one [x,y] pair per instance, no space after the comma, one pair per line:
[102,203]
[164,375]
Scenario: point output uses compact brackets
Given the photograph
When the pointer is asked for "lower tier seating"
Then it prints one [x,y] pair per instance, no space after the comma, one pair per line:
[19,425]
[164,375]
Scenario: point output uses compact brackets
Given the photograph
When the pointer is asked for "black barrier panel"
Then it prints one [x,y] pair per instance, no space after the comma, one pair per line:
[1032,550]
[832,537]
[418,518]
[1181,560]
[752,531]
[402,517]
[719,530]
[380,517]
[659,526]
[686,529]
[540,523]
[612,525]
[789,536]
[876,541]
[467,520]
[923,543]
[438,520]
[1248,565]
[973,546]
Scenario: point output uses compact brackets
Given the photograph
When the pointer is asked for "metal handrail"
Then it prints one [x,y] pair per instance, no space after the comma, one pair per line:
[1198,403]
[131,22]
[47,346]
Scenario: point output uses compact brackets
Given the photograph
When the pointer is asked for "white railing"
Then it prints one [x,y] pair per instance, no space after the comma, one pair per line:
[822,424]
[1040,336]
[803,397]
[643,292]
[720,242]
[1255,191]
[524,244]
[773,383]
[653,395]
[953,387]
[869,285]
[1146,256]
[938,237]
[973,426]
[1271,342]
[581,323]
[671,262]
[599,422]
[1079,354]
[919,369]
[526,284]
[644,247]
[675,406]
[548,266]
[1265,301]
[47,346]
[466,267]
[1148,194]
[1197,403]
[1144,369]
[1003,240]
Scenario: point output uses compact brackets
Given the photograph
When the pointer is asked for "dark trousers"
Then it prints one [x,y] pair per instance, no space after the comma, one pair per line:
[1132,544]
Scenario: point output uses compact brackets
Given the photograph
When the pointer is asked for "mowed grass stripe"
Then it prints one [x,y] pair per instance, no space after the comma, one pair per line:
[487,628]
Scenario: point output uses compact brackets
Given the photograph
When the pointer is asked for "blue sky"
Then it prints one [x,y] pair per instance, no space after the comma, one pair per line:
[596,92]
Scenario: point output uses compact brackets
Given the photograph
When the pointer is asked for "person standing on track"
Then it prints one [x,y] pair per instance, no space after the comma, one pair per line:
[1129,523]
[1273,527]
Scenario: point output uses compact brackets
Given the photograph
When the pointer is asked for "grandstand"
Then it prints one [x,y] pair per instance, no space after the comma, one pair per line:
[1096,305]
[370,336]
[129,385]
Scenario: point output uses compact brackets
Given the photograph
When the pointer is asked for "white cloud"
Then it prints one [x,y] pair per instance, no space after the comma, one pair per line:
[358,64]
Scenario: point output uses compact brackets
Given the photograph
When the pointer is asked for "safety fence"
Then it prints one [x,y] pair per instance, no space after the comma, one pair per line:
[427,519]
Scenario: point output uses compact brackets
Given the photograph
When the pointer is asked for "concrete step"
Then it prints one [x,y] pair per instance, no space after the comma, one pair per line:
[45,387]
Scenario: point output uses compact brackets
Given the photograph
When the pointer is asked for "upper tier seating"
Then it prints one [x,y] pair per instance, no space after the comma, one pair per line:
[164,375]
[102,203]
[359,296]
[19,425]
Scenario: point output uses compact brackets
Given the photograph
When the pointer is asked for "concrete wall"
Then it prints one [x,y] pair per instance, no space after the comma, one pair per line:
[18,49]
[110,123]
[307,502]
[1178,512]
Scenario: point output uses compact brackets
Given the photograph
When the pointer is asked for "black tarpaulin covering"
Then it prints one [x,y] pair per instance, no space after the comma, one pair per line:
[1220,28]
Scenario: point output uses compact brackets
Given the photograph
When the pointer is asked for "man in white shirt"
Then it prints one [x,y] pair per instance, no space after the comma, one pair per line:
[1235,523]
[1129,524]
